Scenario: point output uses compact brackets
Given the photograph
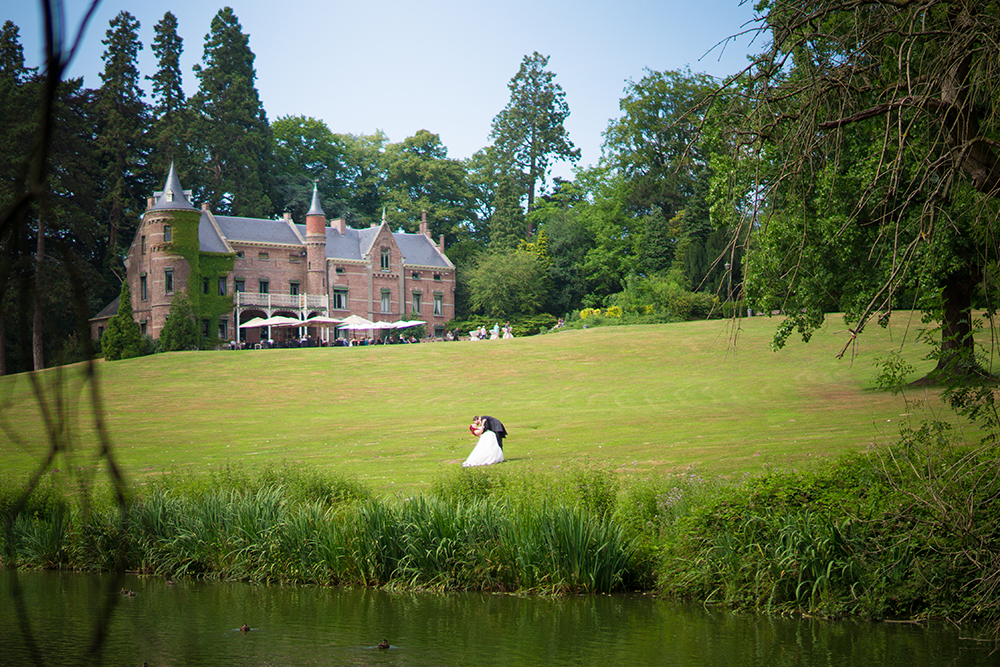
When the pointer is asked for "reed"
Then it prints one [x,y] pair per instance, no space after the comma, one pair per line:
[908,532]
[267,533]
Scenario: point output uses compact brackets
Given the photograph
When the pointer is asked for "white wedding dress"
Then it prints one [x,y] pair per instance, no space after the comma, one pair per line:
[487,451]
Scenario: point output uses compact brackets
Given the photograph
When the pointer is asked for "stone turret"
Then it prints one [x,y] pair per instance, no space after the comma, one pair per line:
[155,271]
[316,247]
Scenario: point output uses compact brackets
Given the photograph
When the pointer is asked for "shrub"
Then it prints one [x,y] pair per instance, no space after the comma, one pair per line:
[180,331]
[122,339]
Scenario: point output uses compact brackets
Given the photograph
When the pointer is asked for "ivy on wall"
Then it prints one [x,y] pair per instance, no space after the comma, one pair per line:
[203,265]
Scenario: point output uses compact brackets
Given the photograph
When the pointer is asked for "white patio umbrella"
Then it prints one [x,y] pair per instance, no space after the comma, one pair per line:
[321,320]
[281,321]
[254,323]
[356,323]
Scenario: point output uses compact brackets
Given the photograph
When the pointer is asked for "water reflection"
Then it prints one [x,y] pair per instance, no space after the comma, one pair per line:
[198,623]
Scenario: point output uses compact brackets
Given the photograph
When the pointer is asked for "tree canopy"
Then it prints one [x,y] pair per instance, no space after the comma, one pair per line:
[866,170]
[122,119]
[653,143]
[530,132]
[170,133]
[235,139]
[419,177]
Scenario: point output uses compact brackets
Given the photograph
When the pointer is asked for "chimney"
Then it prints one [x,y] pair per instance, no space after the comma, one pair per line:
[340,225]
[150,201]
[204,206]
[423,224]
[287,217]
[441,244]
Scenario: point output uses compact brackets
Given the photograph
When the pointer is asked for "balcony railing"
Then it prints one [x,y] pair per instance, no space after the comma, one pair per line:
[271,302]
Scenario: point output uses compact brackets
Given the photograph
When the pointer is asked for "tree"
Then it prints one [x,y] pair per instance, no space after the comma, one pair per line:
[709,257]
[504,285]
[653,167]
[17,123]
[180,332]
[569,240]
[172,120]
[486,173]
[306,152]
[653,145]
[616,233]
[49,226]
[122,118]
[123,338]
[233,133]
[866,163]
[16,128]
[366,176]
[507,225]
[421,177]
[530,131]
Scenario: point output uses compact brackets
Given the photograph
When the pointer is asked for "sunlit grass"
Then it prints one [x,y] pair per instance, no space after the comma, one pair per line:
[704,397]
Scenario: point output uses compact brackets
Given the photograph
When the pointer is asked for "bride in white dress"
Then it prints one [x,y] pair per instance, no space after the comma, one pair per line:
[487,451]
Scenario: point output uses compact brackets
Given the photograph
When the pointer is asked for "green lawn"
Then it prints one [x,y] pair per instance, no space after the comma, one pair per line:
[648,400]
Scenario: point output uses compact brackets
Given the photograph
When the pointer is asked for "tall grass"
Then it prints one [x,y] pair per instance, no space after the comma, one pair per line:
[260,529]
[907,531]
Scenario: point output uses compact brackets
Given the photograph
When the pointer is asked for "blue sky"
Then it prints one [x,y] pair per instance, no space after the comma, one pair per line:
[440,65]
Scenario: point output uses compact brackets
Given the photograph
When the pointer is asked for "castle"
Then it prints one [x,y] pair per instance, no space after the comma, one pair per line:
[235,269]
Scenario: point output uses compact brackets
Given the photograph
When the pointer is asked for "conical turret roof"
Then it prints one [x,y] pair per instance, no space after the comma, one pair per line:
[173,195]
[316,208]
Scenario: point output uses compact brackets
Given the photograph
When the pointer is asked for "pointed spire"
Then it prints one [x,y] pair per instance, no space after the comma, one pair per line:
[173,195]
[315,208]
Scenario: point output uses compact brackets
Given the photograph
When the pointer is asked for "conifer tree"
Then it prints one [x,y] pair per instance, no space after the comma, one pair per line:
[181,331]
[11,52]
[16,121]
[171,128]
[529,133]
[507,224]
[122,118]
[122,339]
[17,131]
[233,132]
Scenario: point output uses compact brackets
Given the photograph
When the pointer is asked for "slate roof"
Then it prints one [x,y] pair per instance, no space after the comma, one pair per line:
[416,249]
[257,230]
[315,208]
[208,237]
[109,310]
[343,246]
[420,250]
[173,196]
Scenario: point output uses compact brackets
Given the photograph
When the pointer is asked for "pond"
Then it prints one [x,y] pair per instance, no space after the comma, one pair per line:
[198,623]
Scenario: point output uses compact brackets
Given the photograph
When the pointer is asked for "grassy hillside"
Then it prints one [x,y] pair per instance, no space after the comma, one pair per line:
[698,397]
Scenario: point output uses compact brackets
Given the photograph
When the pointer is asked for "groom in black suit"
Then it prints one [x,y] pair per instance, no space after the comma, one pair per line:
[494,424]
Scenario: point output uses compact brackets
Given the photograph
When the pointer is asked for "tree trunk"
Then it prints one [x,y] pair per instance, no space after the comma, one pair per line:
[957,359]
[3,348]
[37,357]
